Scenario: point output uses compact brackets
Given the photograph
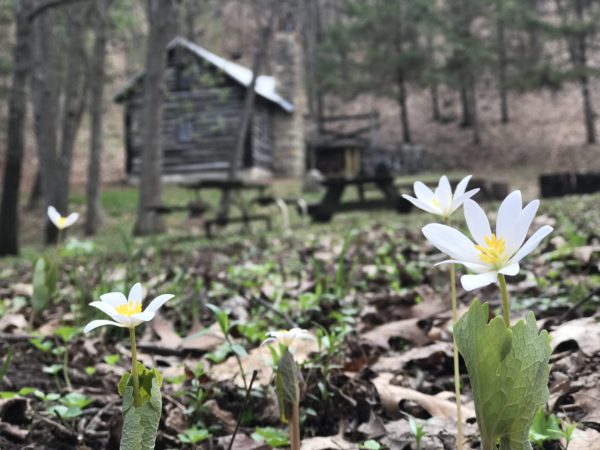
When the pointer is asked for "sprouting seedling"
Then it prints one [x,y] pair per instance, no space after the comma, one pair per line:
[66,334]
[417,429]
[142,401]
[238,351]
[288,379]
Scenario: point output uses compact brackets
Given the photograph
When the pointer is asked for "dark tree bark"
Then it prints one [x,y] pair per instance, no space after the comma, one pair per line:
[502,62]
[75,94]
[45,96]
[15,138]
[36,192]
[160,15]
[402,97]
[584,82]
[433,85]
[97,79]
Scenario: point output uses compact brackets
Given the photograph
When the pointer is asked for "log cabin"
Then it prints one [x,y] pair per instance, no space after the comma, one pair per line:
[202,109]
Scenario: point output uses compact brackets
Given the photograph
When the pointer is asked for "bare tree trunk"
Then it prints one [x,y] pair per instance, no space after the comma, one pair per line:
[402,97]
[36,192]
[97,76]
[75,94]
[160,15]
[15,136]
[433,84]
[472,94]
[501,45]
[245,120]
[584,81]
[44,88]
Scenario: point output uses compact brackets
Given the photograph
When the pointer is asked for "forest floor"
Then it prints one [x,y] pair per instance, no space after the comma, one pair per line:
[365,285]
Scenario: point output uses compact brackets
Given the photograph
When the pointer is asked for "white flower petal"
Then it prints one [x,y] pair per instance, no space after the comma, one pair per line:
[477,268]
[108,310]
[458,201]
[423,193]
[451,242]
[517,235]
[71,219]
[511,269]
[443,194]
[136,294]
[508,213]
[421,205]
[144,316]
[472,282]
[158,302]
[114,299]
[477,221]
[53,215]
[531,243]
[98,323]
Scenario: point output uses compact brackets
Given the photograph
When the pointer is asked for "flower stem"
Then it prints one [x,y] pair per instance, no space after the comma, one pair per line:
[66,368]
[459,432]
[505,303]
[137,401]
[294,427]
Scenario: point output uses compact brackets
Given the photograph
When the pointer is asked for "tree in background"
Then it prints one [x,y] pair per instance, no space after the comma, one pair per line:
[97,81]
[377,48]
[162,17]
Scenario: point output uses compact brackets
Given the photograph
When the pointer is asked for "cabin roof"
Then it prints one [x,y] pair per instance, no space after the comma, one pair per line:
[265,84]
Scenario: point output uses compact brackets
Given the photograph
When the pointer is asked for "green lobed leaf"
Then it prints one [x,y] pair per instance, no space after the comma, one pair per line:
[141,424]
[274,437]
[508,369]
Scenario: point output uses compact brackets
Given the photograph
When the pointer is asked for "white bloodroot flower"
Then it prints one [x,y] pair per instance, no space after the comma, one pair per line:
[494,253]
[287,337]
[126,312]
[59,221]
[441,201]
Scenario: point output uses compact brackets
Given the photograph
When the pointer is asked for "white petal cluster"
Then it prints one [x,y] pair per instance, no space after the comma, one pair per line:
[287,337]
[126,312]
[59,221]
[441,201]
[492,253]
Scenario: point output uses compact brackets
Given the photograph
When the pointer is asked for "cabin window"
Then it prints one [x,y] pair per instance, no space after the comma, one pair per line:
[183,79]
[185,131]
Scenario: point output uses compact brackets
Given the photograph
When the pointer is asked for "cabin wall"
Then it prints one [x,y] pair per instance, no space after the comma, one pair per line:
[201,120]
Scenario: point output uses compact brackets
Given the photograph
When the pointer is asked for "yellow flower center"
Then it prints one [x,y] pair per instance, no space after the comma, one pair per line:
[493,252]
[435,202]
[129,309]
[61,222]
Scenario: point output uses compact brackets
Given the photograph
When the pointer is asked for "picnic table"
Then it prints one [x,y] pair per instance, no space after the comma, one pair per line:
[331,202]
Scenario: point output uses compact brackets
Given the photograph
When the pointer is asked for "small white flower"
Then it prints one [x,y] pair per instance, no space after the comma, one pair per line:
[287,337]
[126,312]
[495,253]
[441,201]
[59,221]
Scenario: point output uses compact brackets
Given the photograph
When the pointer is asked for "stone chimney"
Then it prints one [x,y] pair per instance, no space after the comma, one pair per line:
[288,129]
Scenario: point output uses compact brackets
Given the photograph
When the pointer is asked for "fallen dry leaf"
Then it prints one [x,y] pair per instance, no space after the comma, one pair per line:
[585,440]
[206,342]
[429,355]
[391,395]
[406,329]
[327,443]
[242,442]
[11,322]
[589,401]
[259,359]
[226,418]
[165,330]
[585,332]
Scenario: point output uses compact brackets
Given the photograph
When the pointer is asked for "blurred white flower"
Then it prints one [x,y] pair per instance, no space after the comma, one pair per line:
[126,312]
[59,221]
[494,253]
[287,337]
[441,201]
